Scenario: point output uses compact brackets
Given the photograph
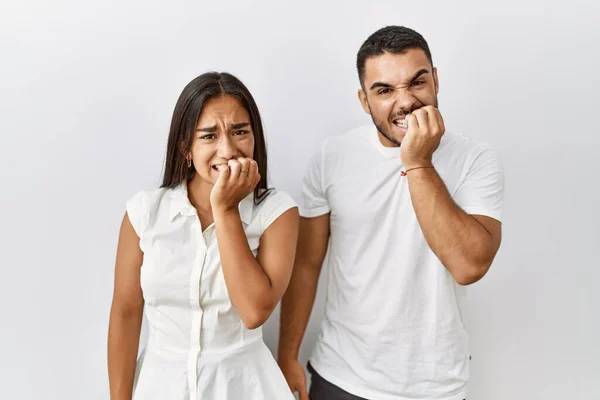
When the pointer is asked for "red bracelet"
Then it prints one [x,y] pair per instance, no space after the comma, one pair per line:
[403,173]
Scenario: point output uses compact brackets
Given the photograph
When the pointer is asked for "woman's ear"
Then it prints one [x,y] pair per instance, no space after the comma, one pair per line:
[182,148]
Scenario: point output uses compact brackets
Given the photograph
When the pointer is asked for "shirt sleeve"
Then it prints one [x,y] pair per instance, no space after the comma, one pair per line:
[314,199]
[136,208]
[482,190]
[275,205]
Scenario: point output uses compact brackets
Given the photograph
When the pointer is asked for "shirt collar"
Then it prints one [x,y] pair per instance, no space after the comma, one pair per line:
[180,204]
[386,152]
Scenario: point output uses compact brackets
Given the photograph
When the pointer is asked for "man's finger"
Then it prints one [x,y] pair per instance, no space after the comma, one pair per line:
[440,121]
[433,120]
[423,120]
[412,122]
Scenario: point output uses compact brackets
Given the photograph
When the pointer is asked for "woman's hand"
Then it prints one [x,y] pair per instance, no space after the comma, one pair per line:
[236,180]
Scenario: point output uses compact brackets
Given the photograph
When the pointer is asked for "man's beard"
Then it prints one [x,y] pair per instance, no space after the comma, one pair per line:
[400,113]
[384,132]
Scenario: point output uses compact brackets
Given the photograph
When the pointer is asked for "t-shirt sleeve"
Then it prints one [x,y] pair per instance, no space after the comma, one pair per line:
[314,201]
[275,205]
[137,207]
[482,190]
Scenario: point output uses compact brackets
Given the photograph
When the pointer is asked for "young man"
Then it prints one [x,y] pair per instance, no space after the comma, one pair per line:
[411,214]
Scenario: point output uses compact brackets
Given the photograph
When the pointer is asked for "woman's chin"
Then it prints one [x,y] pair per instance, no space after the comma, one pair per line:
[209,177]
[212,176]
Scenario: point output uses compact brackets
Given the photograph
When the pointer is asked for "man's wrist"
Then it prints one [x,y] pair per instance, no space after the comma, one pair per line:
[417,169]
[412,164]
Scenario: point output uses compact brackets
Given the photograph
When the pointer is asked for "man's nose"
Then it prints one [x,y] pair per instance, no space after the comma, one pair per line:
[404,100]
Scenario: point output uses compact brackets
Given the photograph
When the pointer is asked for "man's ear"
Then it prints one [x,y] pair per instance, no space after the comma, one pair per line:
[362,96]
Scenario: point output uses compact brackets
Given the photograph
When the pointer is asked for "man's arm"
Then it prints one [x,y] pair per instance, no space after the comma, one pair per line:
[297,302]
[465,244]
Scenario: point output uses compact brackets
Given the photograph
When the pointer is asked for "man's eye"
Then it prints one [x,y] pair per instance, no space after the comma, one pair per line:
[417,83]
[384,91]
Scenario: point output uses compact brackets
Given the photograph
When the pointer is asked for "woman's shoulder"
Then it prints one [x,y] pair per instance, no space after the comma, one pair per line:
[271,205]
[143,204]
[147,197]
[269,198]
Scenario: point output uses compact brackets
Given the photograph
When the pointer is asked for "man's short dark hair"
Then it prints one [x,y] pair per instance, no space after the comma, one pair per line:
[391,39]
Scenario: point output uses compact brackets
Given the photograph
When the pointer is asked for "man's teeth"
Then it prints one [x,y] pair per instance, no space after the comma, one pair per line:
[401,123]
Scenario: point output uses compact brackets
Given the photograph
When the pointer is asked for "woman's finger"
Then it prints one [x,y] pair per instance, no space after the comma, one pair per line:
[252,172]
[245,167]
[235,167]
[224,174]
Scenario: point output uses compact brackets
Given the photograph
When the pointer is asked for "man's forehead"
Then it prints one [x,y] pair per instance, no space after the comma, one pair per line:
[399,66]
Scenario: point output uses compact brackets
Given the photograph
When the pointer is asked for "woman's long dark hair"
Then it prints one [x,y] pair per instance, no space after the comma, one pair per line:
[185,118]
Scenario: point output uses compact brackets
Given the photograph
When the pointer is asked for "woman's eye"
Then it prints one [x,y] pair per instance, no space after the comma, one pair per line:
[240,132]
[208,137]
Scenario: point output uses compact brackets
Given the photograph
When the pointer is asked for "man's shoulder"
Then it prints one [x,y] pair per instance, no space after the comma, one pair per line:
[461,148]
[348,141]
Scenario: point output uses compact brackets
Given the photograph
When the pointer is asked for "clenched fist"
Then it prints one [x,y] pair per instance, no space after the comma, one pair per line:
[425,130]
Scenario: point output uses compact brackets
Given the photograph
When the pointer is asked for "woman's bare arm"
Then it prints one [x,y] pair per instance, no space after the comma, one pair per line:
[125,314]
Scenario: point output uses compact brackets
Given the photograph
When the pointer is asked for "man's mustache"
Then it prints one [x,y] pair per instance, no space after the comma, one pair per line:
[404,113]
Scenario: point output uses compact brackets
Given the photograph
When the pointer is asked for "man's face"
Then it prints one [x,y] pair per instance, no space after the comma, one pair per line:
[395,85]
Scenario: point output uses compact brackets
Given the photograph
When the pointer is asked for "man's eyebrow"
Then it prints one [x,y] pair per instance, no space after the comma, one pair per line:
[418,74]
[379,84]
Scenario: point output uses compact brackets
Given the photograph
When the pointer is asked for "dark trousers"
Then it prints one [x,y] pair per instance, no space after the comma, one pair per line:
[320,389]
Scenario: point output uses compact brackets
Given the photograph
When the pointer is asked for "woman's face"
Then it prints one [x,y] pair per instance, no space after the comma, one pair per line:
[223,133]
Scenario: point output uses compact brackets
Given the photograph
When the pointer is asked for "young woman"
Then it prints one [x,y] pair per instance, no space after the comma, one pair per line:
[208,254]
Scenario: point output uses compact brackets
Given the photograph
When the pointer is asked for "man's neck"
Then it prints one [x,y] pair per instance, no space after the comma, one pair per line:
[385,141]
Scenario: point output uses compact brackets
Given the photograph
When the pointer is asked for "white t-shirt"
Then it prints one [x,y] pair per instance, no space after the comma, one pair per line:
[393,326]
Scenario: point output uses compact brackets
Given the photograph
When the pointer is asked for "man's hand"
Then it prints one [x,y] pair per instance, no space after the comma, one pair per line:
[295,376]
[425,130]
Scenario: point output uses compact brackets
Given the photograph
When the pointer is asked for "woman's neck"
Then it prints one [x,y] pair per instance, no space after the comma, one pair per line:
[199,194]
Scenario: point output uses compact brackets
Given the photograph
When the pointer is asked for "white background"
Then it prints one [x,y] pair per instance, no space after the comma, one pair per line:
[87,91]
